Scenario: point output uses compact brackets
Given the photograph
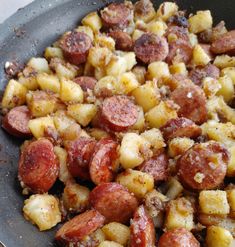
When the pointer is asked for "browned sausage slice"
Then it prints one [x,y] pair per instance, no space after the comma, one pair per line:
[79,227]
[203,166]
[157,167]
[118,113]
[199,73]
[75,46]
[16,122]
[116,16]
[180,127]
[224,44]
[114,202]
[38,166]
[122,40]
[142,229]
[178,238]
[150,48]
[103,160]
[79,155]
[192,102]
[86,82]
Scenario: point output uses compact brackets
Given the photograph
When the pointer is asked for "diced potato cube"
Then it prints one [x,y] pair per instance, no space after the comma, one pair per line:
[193,39]
[231,164]
[39,64]
[29,81]
[160,114]
[62,121]
[130,150]
[87,30]
[130,60]
[140,123]
[65,71]
[157,27]
[102,40]
[200,57]
[136,182]
[117,66]
[14,95]
[96,237]
[230,72]
[137,34]
[99,56]
[179,145]
[200,22]
[128,82]
[107,85]
[93,21]
[82,113]
[218,237]
[42,210]
[174,188]
[117,232]
[227,88]
[213,202]
[109,244]
[48,82]
[210,86]
[179,68]
[51,52]
[155,138]
[61,154]
[158,70]
[147,91]
[224,61]
[179,214]
[231,201]
[38,125]
[166,10]
[98,133]
[70,91]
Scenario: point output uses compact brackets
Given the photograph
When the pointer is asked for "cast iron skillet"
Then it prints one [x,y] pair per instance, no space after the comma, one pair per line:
[22,36]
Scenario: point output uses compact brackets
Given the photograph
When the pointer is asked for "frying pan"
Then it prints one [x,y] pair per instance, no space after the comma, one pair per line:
[22,36]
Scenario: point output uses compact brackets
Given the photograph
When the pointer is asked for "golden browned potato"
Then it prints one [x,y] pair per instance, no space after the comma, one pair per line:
[200,22]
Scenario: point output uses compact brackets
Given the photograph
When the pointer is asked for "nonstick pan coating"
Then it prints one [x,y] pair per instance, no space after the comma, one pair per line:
[22,36]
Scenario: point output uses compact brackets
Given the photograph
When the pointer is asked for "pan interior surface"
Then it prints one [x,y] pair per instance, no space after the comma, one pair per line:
[24,35]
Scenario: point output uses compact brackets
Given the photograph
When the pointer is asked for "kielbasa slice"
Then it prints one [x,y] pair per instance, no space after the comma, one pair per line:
[150,48]
[179,237]
[86,82]
[16,122]
[203,166]
[38,166]
[103,160]
[192,102]
[79,155]
[79,227]
[199,73]
[180,127]
[157,166]
[118,113]
[113,201]
[116,16]
[123,40]
[75,46]
[142,229]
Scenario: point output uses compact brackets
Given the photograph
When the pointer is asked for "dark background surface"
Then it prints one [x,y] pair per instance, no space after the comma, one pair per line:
[42,22]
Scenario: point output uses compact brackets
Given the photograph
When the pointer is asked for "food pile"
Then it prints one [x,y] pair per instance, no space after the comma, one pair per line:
[133,112]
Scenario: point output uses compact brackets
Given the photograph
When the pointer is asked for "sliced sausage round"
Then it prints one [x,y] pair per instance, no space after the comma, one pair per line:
[192,102]
[118,113]
[86,82]
[123,40]
[199,73]
[157,166]
[79,155]
[179,237]
[224,44]
[16,122]
[203,166]
[180,127]
[75,46]
[113,201]
[142,229]
[79,227]
[103,160]
[116,16]
[150,48]
[38,166]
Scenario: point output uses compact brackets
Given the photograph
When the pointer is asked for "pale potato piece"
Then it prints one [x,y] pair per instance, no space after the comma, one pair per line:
[117,66]
[93,21]
[30,82]
[128,82]
[82,113]
[39,64]
[48,82]
[157,27]
[179,145]
[210,86]
[136,182]
[70,91]
[193,39]
[98,133]
[218,237]
[43,211]
[224,61]
[62,120]
[14,95]
[96,237]
[231,201]
[137,34]
[67,71]
[166,10]
[230,72]
[117,232]
[179,68]
[100,57]
[227,88]
[200,22]
[174,188]
[130,60]
[51,52]
[140,123]
[158,70]
[109,244]
[213,202]
[102,40]
[200,57]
